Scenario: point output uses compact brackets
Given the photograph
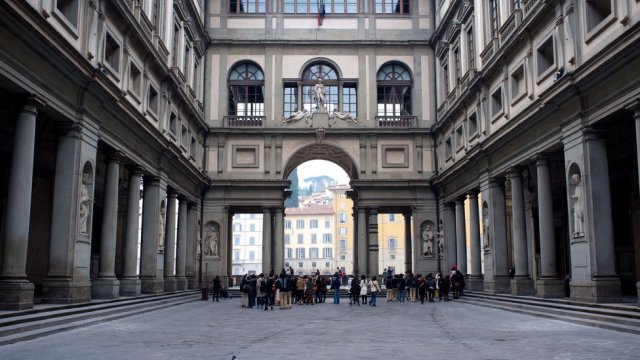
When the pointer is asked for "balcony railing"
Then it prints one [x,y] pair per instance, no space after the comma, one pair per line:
[400,121]
[510,25]
[489,51]
[244,121]
[527,5]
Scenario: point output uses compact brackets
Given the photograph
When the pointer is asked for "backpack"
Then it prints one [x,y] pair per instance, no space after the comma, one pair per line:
[263,286]
[431,284]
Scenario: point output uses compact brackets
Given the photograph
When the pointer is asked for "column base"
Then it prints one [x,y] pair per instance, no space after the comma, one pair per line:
[170,284]
[16,295]
[192,283]
[105,288]
[498,285]
[522,286]
[130,287]
[64,291]
[474,283]
[549,288]
[181,283]
[151,285]
[601,290]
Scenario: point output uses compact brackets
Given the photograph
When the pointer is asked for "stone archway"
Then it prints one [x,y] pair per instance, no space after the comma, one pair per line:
[322,152]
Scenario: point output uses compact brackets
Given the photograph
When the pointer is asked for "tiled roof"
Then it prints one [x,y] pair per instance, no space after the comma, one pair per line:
[310,210]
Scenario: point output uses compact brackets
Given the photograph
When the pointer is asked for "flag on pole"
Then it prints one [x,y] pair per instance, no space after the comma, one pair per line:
[321,12]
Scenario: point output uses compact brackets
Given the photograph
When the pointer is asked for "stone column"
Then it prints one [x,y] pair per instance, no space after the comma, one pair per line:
[107,286]
[192,238]
[373,243]
[475,275]
[267,264]
[496,274]
[461,236]
[170,244]
[521,284]
[129,283]
[278,240]
[16,292]
[354,234]
[548,285]
[151,261]
[408,263]
[363,246]
[636,117]
[449,220]
[181,254]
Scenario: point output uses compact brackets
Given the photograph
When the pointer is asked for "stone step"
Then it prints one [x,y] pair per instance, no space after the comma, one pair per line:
[52,320]
[619,319]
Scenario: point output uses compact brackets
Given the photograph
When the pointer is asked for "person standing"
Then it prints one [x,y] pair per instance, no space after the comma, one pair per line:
[375,289]
[335,286]
[363,289]
[216,289]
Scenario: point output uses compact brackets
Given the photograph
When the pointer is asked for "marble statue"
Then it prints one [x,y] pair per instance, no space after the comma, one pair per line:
[486,229]
[344,116]
[85,205]
[441,239]
[297,116]
[427,240]
[577,204]
[318,95]
[161,226]
[211,244]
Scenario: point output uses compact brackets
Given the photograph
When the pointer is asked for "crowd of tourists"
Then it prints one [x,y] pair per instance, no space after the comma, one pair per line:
[286,289]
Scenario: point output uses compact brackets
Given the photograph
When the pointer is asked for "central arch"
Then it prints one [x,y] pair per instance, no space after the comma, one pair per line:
[321,152]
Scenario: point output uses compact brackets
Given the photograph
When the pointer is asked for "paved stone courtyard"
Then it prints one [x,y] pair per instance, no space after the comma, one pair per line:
[453,330]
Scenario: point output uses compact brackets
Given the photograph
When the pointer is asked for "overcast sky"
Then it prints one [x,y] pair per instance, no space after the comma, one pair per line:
[322,167]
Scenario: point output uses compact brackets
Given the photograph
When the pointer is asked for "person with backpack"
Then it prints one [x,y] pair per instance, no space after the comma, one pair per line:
[354,292]
[431,286]
[283,287]
[262,292]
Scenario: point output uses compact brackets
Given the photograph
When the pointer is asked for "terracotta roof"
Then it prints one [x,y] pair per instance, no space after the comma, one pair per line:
[310,210]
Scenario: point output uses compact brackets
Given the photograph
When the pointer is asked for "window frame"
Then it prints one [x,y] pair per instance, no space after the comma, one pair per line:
[252,86]
[396,84]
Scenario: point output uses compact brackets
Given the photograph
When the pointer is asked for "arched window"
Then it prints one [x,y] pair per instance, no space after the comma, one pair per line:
[394,91]
[246,90]
[339,94]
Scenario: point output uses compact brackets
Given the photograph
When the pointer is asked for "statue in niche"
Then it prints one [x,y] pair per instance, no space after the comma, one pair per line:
[427,241]
[85,204]
[441,239]
[211,244]
[344,116]
[577,205]
[161,226]
[486,229]
[318,95]
[297,116]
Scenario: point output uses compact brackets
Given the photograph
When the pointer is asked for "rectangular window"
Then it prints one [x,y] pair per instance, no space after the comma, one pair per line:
[135,79]
[185,63]
[496,102]
[300,264]
[494,21]
[287,253]
[448,149]
[470,49]
[313,224]
[459,137]
[327,224]
[445,77]
[392,243]
[252,227]
[545,57]
[173,123]
[327,265]
[473,125]
[236,254]
[252,240]
[152,100]
[236,240]
[176,39]
[327,238]
[342,217]
[287,224]
[69,9]
[516,4]
[350,100]
[184,137]
[300,253]
[518,84]
[342,231]
[342,244]
[299,224]
[287,239]
[596,12]
[155,15]
[313,253]
[456,58]
[393,7]
[290,99]
[247,6]
[112,53]
[392,257]
[300,238]
[252,255]
[392,217]
[314,238]
[327,253]
[192,148]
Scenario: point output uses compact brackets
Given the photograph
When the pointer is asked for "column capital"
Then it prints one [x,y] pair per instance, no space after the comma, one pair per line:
[267,209]
[135,170]
[515,171]
[591,133]
[171,193]
[473,193]
[496,181]
[542,159]
[183,200]
[460,200]
[115,156]
[635,107]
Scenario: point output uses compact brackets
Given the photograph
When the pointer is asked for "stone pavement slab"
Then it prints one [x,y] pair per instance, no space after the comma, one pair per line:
[453,330]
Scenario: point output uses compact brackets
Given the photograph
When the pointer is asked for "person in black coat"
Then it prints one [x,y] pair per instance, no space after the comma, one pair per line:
[216,289]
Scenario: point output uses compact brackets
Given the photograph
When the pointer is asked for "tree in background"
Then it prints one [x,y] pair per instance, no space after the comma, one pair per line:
[292,202]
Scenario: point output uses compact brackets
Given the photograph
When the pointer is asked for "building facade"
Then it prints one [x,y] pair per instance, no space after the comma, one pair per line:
[309,244]
[524,112]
